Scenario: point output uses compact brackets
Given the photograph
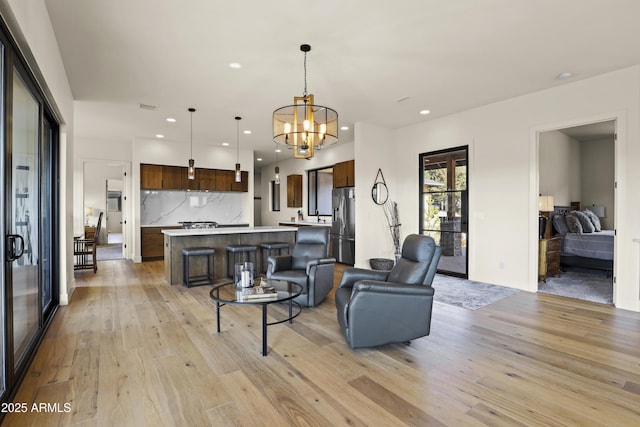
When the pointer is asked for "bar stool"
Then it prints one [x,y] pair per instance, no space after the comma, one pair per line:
[240,253]
[203,279]
[268,249]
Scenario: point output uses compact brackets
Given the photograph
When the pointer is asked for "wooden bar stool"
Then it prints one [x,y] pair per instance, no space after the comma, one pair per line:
[270,248]
[202,279]
[240,253]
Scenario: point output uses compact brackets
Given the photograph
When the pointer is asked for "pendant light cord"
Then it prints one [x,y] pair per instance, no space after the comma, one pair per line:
[305,75]
[237,139]
[191,156]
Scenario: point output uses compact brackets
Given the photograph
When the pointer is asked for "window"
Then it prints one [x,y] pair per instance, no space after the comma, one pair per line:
[320,188]
[275,196]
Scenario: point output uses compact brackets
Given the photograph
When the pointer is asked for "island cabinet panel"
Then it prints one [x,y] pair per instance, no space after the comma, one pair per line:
[217,239]
[344,174]
[174,177]
[150,177]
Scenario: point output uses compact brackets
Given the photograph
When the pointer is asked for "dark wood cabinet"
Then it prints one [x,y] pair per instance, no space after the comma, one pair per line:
[152,242]
[206,179]
[294,191]
[150,177]
[549,258]
[159,177]
[344,174]
[174,177]
[224,180]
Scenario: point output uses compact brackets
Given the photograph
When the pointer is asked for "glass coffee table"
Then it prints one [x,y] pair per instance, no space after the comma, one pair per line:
[228,293]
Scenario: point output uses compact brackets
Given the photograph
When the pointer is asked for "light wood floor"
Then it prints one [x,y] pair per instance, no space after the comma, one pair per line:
[131,350]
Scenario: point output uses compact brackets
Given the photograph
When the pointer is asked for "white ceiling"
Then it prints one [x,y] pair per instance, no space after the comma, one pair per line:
[372,61]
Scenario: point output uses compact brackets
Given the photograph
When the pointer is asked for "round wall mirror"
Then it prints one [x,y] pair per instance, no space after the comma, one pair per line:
[379,193]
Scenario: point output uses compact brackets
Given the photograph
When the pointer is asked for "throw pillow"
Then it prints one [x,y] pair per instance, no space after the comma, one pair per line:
[585,222]
[594,219]
[573,224]
[560,224]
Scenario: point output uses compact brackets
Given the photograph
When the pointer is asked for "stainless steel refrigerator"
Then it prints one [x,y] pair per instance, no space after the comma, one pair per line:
[343,225]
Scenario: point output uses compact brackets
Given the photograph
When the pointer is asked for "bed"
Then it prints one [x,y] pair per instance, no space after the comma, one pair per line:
[588,249]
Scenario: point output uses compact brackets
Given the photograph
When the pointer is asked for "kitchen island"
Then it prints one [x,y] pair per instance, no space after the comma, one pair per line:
[218,239]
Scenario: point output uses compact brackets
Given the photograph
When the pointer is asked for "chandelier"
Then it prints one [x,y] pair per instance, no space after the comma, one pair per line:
[305,126]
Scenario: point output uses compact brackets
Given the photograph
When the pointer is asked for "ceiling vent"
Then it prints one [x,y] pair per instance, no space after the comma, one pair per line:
[147,107]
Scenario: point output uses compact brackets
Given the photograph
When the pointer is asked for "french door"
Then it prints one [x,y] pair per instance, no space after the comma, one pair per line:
[444,209]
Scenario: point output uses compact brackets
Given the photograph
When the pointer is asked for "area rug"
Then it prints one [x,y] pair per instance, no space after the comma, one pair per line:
[467,294]
[581,283]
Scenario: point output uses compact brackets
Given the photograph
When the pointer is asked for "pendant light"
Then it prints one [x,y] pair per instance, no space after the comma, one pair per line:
[277,168]
[305,126]
[238,173]
[191,171]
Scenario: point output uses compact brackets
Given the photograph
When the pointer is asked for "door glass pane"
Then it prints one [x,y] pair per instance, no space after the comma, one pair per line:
[3,280]
[24,215]
[46,220]
[443,205]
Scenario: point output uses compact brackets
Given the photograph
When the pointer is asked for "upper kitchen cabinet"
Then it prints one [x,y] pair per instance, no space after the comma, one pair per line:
[151,177]
[206,179]
[294,191]
[173,176]
[159,177]
[344,174]
[226,181]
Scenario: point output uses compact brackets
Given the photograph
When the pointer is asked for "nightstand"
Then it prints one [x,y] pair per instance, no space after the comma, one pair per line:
[549,258]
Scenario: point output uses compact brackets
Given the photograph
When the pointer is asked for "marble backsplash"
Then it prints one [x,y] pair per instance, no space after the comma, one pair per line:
[171,207]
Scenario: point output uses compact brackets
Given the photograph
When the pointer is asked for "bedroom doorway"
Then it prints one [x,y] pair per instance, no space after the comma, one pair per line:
[577,170]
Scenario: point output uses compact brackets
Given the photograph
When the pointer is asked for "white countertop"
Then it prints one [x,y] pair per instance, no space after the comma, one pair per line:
[180,225]
[230,230]
[303,223]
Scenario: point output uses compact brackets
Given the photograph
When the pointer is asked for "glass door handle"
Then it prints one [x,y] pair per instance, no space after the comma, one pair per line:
[12,251]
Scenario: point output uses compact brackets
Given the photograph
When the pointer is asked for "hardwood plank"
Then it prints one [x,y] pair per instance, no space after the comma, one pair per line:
[132,350]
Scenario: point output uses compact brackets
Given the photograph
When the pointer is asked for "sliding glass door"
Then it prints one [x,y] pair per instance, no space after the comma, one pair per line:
[444,208]
[28,217]
[24,230]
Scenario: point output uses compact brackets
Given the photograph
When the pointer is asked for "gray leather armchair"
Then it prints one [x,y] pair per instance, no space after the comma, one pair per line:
[308,264]
[383,307]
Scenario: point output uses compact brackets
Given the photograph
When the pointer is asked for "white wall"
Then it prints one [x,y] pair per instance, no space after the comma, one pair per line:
[29,23]
[503,175]
[598,175]
[560,168]
[340,152]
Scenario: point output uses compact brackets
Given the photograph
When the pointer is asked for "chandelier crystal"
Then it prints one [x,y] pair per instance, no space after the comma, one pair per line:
[305,126]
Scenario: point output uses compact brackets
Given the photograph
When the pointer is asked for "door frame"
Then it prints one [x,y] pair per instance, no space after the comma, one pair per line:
[620,143]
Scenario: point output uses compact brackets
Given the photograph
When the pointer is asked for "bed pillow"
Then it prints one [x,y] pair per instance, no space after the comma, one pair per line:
[560,224]
[573,223]
[585,222]
[594,219]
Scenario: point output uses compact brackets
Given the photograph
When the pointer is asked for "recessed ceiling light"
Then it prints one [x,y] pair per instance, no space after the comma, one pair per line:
[344,128]
[425,112]
[235,65]
[159,136]
[171,120]
[278,150]
[247,132]
[565,75]
[225,144]
[259,159]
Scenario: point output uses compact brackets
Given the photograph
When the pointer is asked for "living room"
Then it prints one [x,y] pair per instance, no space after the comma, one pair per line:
[501,134]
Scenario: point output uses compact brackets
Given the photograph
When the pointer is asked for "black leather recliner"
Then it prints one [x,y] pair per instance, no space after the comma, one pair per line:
[308,264]
[383,307]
